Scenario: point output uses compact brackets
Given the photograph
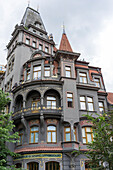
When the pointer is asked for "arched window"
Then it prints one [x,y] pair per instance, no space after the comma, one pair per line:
[33,166]
[34,132]
[52,166]
[87,135]
[51,134]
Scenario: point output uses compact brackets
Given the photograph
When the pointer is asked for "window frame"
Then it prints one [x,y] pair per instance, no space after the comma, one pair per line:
[37,71]
[34,135]
[27,41]
[51,131]
[34,44]
[83,101]
[48,70]
[68,71]
[52,106]
[91,133]
[40,47]
[97,83]
[70,98]
[83,77]
[32,164]
[103,107]
[67,133]
[89,103]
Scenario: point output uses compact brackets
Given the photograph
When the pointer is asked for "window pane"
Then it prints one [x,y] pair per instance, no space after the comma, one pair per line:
[67,129]
[49,103]
[49,137]
[82,74]
[85,80]
[51,128]
[101,104]
[83,132]
[84,140]
[101,109]
[83,106]
[82,98]
[53,136]
[36,137]
[69,95]
[68,74]
[67,136]
[51,98]
[90,107]
[68,68]
[35,75]
[88,129]
[39,74]
[89,139]
[47,73]
[32,137]
[89,99]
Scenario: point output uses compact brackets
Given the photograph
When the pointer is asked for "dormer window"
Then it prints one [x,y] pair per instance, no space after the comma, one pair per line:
[28,41]
[97,82]
[83,77]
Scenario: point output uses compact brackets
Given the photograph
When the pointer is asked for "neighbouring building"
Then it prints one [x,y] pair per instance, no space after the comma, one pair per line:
[50,90]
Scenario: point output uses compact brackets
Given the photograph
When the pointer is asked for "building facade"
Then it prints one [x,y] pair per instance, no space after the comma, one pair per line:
[50,90]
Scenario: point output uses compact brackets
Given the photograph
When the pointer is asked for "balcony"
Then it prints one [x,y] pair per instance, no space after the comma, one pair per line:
[70,145]
[45,109]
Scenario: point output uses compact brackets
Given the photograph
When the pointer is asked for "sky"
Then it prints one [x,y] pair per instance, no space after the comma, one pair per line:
[88,25]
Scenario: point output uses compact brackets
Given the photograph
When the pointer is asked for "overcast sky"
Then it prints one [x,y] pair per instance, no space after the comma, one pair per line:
[88,24]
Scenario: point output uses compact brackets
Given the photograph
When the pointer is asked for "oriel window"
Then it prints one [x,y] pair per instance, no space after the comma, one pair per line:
[69,99]
[47,71]
[67,133]
[51,102]
[87,135]
[36,72]
[51,134]
[83,77]
[34,132]
[68,71]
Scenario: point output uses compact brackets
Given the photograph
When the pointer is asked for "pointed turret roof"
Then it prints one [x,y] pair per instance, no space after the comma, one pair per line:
[32,17]
[64,44]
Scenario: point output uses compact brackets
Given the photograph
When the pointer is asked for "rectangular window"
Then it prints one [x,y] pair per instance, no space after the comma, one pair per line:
[46,49]
[69,99]
[51,102]
[87,135]
[68,71]
[28,41]
[28,75]
[34,132]
[90,104]
[83,77]
[82,103]
[36,72]
[97,82]
[51,134]
[40,47]
[67,133]
[47,71]
[101,106]
[34,44]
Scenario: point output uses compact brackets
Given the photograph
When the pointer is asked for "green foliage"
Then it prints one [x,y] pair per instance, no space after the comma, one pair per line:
[100,150]
[6,133]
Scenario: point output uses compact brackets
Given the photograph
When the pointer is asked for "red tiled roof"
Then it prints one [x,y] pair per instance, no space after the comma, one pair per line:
[64,44]
[38,149]
[110,98]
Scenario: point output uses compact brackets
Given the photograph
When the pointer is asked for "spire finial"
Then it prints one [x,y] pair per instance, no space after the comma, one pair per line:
[28,3]
[63,28]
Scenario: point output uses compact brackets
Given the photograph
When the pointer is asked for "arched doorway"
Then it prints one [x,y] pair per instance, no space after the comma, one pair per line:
[52,166]
[33,166]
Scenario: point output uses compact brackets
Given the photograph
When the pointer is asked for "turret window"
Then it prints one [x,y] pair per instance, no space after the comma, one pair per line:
[36,72]
[83,77]
[47,71]
[68,71]
[51,134]
[101,106]
[67,134]
[69,99]
[34,131]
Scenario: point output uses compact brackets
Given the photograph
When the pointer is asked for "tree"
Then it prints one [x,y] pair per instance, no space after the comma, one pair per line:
[6,133]
[100,150]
